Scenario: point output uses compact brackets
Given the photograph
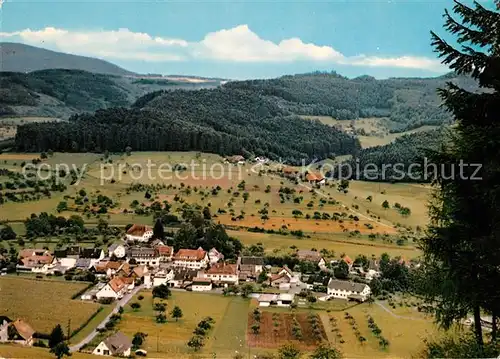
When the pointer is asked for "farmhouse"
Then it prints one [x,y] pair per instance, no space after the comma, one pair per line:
[280,280]
[348,260]
[311,256]
[191,258]
[222,273]
[62,264]
[34,260]
[117,345]
[17,331]
[348,290]
[117,250]
[145,255]
[139,233]
[236,159]
[201,284]
[315,178]
[215,256]
[250,267]
[165,253]
[115,288]
[108,268]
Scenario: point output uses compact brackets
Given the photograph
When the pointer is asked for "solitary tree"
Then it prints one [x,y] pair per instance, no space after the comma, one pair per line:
[176,313]
[56,336]
[158,230]
[162,291]
[385,204]
[138,339]
[135,306]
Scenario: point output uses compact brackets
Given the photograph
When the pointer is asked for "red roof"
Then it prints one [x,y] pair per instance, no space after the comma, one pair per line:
[223,268]
[165,250]
[190,254]
[314,177]
[347,259]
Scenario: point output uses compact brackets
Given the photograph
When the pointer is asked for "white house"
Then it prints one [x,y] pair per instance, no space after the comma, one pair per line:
[116,288]
[222,273]
[191,258]
[163,277]
[201,284]
[215,256]
[348,290]
[118,250]
[116,345]
[139,233]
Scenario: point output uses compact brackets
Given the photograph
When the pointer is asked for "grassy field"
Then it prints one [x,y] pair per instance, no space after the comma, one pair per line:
[19,352]
[49,302]
[371,132]
[274,243]
[166,340]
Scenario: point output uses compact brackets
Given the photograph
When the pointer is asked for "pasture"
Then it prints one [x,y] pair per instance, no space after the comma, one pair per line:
[21,352]
[49,302]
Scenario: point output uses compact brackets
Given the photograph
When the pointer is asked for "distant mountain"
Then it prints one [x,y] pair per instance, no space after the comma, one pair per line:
[16,57]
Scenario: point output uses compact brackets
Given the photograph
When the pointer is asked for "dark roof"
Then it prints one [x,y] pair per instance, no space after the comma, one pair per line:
[258,261]
[82,263]
[61,253]
[346,285]
[118,343]
[142,251]
[185,274]
[91,253]
[73,251]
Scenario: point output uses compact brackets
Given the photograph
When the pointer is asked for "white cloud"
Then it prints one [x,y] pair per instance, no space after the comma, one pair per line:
[243,45]
[238,44]
[117,44]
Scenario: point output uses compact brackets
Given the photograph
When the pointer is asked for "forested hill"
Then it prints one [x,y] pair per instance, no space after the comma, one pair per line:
[61,93]
[223,120]
[408,102]
[17,57]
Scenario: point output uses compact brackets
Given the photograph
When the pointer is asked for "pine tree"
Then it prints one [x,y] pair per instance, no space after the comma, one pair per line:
[462,249]
[158,230]
[56,336]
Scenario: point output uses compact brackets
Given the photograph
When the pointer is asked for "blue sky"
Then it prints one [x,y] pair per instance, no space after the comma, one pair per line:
[237,39]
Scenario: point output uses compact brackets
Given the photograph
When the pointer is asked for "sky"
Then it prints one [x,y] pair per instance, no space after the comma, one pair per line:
[237,39]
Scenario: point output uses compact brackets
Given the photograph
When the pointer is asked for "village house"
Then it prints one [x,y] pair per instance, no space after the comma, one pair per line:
[201,284]
[139,233]
[17,331]
[165,253]
[107,268]
[215,256]
[315,179]
[116,288]
[61,262]
[191,258]
[280,280]
[237,159]
[73,252]
[93,254]
[312,256]
[124,271]
[91,294]
[35,260]
[348,260]
[117,250]
[116,345]
[250,267]
[222,273]
[138,272]
[83,263]
[348,290]
[145,255]
[163,277]
[182,277]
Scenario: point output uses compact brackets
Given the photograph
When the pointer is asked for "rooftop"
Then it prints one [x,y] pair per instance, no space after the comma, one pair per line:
[138,230]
